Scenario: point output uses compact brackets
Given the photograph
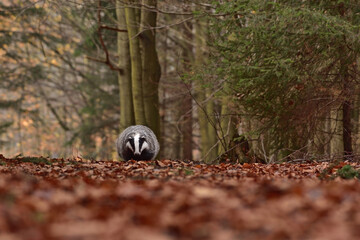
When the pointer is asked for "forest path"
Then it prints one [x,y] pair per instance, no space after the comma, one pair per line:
[82,199]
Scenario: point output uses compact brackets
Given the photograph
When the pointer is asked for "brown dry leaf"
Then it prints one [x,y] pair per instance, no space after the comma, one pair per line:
[174,200]
[160,164]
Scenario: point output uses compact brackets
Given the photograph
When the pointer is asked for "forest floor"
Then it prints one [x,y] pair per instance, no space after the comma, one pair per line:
[160,200]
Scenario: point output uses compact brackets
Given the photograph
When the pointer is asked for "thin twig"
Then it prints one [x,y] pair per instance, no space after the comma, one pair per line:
[164,26]
[27,7]
[112,28]
[206,114]
[107,58]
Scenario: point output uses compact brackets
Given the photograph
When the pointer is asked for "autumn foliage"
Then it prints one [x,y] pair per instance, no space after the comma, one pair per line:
[81,199]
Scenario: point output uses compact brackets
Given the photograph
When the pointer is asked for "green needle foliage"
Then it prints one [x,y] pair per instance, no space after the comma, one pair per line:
[35,160]
[348,172]
[286,62]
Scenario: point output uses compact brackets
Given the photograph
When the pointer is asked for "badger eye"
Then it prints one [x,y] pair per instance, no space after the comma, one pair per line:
[142,139]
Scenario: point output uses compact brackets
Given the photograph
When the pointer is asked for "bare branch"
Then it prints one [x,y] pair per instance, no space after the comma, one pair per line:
[107,60]
[113,29]
[165,26]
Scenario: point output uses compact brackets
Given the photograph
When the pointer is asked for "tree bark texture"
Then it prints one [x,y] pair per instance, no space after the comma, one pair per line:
[211,126]
[347,138]
[347,110]
[186,103]
[336,142]
[345,62]
[136,64]
[151,70]
[126,99]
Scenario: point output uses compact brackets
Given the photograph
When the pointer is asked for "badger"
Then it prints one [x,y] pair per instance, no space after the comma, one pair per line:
[137,142]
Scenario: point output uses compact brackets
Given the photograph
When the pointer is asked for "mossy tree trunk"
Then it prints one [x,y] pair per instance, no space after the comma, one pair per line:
[151,70]
[136,63]
[200,93]
[126,100]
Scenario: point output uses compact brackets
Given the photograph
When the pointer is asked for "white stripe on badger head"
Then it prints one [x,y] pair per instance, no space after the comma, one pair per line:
[128,145]
[144,146]
[137,143]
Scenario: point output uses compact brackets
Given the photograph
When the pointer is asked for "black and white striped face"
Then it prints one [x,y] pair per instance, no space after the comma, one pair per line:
[137,143]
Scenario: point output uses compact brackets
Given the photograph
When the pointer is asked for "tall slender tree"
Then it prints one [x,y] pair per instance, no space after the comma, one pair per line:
[151,70]
[136,62]
[126,100]
[186,124]
[206,111]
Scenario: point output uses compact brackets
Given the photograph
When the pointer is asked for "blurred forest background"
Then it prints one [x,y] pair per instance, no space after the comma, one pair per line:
[256,81]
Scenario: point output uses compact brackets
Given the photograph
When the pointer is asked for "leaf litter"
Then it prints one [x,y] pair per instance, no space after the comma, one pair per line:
[83,199]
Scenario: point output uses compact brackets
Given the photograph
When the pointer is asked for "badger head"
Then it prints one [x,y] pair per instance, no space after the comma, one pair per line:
[136,143]
[137,147]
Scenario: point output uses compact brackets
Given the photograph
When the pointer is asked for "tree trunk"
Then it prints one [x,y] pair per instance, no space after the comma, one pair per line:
[126,99]
[227,123]
[206,108]
[336,142]
[186,103]
[347,139]
[346,108]
[204,134]
[211,126]
[151,70]
[186,128]
[200,92]
[356,118]
[136,64]
[345,62]
[318,143]
[164,106]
